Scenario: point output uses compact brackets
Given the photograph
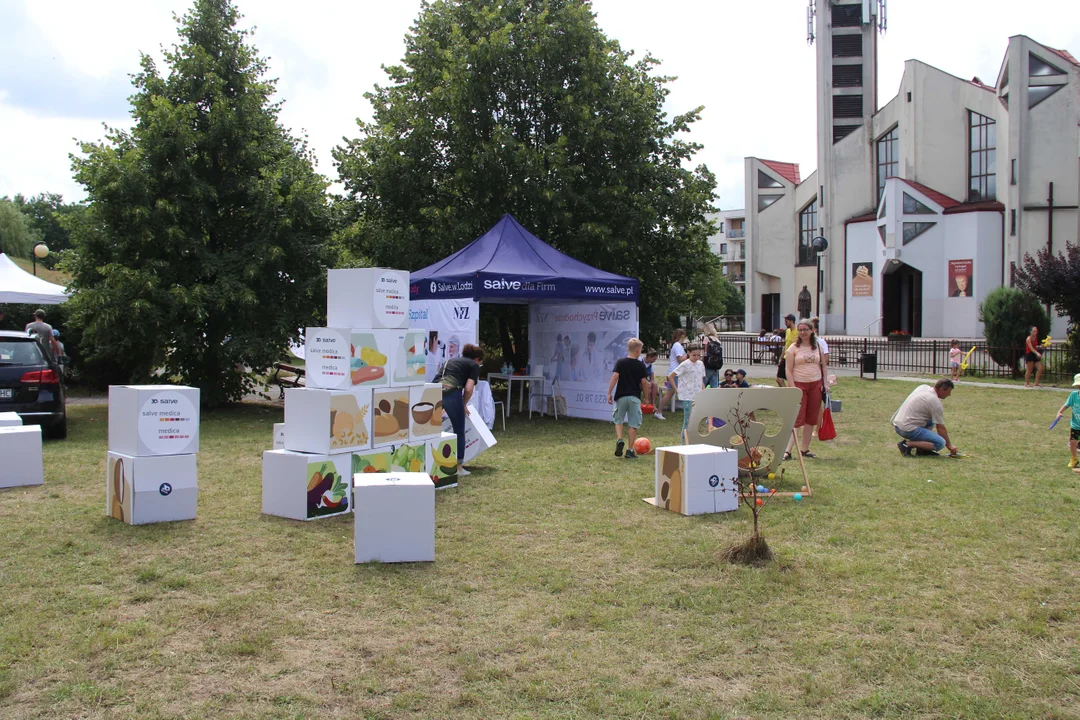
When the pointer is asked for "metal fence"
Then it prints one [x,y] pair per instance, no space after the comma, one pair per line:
[904,356]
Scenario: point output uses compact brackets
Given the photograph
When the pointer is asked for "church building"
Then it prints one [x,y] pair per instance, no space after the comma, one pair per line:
[928,203]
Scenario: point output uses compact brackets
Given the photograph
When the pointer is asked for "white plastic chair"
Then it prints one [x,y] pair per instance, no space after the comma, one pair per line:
[502,412]
[543,396]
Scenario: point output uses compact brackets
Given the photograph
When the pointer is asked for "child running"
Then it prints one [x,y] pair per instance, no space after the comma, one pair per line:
[1074,422]
[691,380]
[954,359]
[628,383]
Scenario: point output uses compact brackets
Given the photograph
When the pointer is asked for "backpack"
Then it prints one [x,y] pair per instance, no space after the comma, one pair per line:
[714,355]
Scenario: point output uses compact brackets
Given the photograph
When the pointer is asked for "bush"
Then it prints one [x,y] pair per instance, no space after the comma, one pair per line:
[1007,316]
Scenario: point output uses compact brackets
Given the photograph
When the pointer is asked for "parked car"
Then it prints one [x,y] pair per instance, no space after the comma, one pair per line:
[32,383]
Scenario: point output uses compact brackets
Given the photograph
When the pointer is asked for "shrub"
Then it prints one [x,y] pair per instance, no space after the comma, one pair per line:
[1007,316]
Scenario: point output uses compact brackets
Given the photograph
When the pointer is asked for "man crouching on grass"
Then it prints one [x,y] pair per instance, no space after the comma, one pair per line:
[628,382]
[921,420]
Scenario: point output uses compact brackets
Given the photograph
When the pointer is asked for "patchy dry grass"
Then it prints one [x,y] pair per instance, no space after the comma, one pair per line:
[558,593]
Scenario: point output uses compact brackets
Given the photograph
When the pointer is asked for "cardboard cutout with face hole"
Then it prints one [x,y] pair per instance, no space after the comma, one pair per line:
[768,439]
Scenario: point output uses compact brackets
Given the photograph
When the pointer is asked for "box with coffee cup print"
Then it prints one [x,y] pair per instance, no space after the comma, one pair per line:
[306,486]
[391,417]
[150,488]
[425,411]
[153,419]
[367,298]
[327,421]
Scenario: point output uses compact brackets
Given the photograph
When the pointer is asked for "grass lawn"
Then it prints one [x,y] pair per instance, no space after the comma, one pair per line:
[53,276]
[904,588]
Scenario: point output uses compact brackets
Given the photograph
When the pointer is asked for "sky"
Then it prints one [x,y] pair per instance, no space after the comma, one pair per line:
[65,66]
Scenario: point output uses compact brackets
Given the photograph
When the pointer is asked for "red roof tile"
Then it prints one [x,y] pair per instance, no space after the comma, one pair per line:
[980,206]
[862,218]
[941,199]
[788,171]
[980,84]
[1064,54]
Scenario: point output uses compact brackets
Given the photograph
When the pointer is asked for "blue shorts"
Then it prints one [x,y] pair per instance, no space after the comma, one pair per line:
[923,434]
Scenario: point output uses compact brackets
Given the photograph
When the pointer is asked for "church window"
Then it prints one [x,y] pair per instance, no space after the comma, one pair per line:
[888,158]
[807,233]
[982,169]
[915,229]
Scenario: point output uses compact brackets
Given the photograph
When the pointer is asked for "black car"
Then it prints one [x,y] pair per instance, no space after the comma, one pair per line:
[32,383]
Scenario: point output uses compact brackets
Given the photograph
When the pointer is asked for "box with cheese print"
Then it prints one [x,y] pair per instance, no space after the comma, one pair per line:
[340,358]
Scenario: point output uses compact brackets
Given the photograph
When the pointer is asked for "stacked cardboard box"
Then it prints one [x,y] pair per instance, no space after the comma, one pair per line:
[151,472]
[20,447]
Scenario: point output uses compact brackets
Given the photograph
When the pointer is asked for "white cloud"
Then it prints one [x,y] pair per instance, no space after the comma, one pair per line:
[747,63]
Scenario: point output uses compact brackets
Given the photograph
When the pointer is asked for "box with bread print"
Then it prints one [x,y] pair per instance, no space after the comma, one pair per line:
[392,417]
[150,488]
[327,421]
[696,479]
[305,486]
[153,419]
[367,298]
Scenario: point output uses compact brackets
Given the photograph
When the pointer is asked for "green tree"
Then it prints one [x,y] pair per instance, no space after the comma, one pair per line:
[1008,315]
[526,107]
[16,236]
[203,247]
[46,213]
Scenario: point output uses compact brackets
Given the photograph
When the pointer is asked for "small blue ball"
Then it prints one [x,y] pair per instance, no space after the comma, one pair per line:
[761,489]
[798,496]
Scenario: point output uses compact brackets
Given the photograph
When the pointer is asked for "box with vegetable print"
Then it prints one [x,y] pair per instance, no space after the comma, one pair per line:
[304,486]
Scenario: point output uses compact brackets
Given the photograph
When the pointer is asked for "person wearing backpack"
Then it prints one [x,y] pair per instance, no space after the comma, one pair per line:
[713,356]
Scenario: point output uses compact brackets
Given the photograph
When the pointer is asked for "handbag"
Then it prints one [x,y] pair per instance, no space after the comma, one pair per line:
[826,431]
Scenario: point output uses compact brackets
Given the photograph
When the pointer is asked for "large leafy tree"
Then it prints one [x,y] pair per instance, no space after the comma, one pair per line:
[45,214]
[526,107]
[202,249]
[17,237]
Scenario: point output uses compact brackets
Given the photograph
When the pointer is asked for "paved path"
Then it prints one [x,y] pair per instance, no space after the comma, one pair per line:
[759,371]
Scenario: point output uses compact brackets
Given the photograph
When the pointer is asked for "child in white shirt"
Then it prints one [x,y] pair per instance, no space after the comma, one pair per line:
[691,374]
[954,359]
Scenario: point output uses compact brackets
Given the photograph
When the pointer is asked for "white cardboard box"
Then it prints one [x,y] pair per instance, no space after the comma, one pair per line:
[153,419]
[10,419]
[696,479]
[151,489]
[395,517]
[425,404]
[279,436]
[327,421]
[391,416]
[477,436]
[302,486]
[367,298]
[341,358]
[20,455]
[442,461]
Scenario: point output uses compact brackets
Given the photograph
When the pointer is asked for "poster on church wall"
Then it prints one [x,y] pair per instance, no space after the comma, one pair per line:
[450,325]
[960,273]
[862,280]
[578,344]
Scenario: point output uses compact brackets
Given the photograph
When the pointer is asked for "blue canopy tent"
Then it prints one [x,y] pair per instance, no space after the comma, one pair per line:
[510,264]
[577,313]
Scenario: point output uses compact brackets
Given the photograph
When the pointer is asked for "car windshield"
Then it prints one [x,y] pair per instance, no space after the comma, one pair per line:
[20,352]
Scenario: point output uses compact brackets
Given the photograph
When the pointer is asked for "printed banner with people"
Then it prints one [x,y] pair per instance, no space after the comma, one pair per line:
[450,325]
[575,346]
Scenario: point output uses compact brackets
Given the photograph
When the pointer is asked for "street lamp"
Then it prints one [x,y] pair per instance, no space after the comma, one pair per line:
[819,245]
[40,251]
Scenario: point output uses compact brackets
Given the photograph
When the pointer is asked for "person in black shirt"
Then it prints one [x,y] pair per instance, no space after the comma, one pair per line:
[628,382]
[459,377]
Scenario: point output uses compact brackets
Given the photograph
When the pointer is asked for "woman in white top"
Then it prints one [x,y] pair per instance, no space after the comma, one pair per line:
[675,356]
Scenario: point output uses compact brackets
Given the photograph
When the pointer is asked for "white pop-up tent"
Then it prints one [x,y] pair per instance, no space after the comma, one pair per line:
[19,286]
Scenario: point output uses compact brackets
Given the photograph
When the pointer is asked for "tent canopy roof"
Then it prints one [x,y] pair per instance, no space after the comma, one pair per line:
[19,286]
[510,264]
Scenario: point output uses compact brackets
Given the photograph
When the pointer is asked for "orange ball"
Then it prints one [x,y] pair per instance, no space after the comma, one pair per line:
[759,501]
[642,446]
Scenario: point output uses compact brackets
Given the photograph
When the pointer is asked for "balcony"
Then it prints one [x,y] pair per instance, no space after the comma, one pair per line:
[733,255]
[740,233]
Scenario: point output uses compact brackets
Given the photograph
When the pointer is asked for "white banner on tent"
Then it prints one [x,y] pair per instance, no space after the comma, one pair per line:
[578,344]
[451,324]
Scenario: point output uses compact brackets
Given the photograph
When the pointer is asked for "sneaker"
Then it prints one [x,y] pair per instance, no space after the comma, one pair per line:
[619,445]
[904,448]
[1072,462]
[659,415]
[919,452]
[631,455]
[463,472]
